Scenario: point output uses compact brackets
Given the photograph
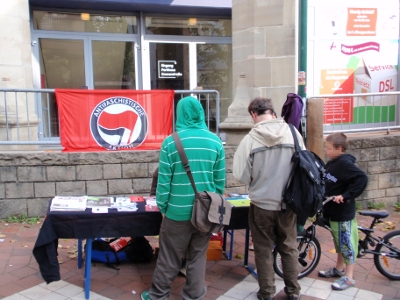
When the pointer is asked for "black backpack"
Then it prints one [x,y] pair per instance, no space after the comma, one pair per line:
[305,189]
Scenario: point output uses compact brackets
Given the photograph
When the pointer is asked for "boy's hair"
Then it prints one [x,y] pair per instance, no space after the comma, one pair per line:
[261,106]
[338,139]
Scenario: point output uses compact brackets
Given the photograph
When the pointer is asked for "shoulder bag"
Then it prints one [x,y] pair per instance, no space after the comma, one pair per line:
[211,212]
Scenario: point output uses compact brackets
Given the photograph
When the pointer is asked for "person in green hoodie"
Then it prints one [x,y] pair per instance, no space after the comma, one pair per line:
[175,197]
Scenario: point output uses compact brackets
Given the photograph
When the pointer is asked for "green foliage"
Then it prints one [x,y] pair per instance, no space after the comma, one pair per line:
[358,206]
[22,219]
[397,206]
[372,205]
[33,220]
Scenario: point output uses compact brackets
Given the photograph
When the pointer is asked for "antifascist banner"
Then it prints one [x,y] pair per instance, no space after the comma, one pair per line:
[98,120]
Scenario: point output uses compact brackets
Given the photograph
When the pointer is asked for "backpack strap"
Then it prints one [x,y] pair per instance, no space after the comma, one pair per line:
[295,140]
[184,159]
[297,150]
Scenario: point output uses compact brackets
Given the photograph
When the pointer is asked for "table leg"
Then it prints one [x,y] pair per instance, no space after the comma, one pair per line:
[246,247]
[79,253]
[88,264]
[246,254]
[230,232]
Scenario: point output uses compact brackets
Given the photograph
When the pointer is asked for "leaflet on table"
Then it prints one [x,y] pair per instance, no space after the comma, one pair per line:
[239,200]
[98,202]
[68,203]
[151,204]
[124,204]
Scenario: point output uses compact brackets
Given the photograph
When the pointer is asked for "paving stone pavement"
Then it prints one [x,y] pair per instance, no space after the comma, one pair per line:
[226,279]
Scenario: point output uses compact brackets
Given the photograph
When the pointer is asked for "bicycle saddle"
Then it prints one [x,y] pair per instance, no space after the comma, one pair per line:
[375,214]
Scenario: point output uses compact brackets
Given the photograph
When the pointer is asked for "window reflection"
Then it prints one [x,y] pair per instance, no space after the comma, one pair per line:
[113,65]
[84,22]
[188,26]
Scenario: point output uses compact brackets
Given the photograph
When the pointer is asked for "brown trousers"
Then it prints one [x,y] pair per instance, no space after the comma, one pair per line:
[267,228]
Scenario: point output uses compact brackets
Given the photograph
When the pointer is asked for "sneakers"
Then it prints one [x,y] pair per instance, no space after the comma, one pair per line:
[343,283]
[294,297]
[145,295]
[251,247]
[332,272]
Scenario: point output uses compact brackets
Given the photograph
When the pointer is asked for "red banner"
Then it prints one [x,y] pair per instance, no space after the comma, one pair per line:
[98,120]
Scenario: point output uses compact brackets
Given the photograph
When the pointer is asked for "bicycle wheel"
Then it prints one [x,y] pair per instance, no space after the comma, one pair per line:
[309,256]
[388,260]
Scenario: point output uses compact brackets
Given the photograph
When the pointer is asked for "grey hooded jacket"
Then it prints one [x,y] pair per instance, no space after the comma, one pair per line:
[263,162]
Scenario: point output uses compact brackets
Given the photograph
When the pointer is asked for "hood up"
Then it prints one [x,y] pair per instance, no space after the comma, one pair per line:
[189,114]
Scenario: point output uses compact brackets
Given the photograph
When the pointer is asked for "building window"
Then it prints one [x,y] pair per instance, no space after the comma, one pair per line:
[84,22]
[188,26]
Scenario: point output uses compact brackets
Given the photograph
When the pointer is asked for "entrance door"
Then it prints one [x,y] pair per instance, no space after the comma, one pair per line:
[169,66]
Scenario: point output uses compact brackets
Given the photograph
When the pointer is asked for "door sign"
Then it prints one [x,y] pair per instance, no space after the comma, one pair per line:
[167,69]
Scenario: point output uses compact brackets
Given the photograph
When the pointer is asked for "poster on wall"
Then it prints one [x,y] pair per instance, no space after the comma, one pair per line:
[354,49]
[101,120]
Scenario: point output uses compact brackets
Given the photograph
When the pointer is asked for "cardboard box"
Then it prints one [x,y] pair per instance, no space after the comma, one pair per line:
[372,77]
[214,251]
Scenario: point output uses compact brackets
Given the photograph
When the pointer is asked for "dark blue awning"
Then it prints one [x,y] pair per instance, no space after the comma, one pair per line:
[187,7]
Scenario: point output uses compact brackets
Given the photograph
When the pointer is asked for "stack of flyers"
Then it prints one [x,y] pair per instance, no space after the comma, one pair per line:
[125,204]
[119,201]
[68,203]
[151,204]
[136,198]
[99,201]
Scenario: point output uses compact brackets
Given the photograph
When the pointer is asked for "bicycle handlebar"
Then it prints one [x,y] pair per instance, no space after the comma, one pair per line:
[328,199]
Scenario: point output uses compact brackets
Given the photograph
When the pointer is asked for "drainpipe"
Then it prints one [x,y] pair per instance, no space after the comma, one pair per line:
[303,48]
[302,69]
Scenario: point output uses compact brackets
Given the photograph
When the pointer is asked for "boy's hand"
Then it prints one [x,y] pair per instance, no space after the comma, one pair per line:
[338,199]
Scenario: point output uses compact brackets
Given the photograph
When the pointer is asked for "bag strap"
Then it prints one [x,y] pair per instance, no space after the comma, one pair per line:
[297,150]
[296,141]
[184,159]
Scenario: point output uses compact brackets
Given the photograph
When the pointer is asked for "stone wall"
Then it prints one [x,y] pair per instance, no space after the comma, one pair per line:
[29,180]
[378,155]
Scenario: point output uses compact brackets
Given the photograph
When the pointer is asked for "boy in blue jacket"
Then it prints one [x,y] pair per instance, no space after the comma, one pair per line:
[345,181]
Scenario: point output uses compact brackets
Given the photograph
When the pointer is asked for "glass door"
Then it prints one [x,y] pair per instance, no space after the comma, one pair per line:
[169,66]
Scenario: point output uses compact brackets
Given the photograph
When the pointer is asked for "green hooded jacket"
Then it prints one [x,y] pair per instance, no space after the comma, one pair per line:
[205,152]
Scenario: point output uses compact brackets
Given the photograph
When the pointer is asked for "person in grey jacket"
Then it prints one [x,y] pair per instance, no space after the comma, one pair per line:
[263,162]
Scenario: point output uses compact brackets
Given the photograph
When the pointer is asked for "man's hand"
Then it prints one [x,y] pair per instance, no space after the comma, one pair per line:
[338,199]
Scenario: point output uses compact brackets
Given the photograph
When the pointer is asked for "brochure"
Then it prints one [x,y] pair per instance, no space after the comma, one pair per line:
[136,198]
[68,203]
[151,204]
[125,204]
[93,201]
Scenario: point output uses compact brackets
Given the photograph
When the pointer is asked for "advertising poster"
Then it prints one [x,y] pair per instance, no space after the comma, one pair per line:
[353,48]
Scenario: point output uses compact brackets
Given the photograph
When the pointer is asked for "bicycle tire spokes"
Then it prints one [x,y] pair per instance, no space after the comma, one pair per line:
[387,256]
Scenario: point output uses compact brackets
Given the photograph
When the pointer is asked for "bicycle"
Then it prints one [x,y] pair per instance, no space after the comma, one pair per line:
[386,253]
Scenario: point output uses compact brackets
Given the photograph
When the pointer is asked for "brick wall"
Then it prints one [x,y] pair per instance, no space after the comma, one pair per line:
[29,180]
